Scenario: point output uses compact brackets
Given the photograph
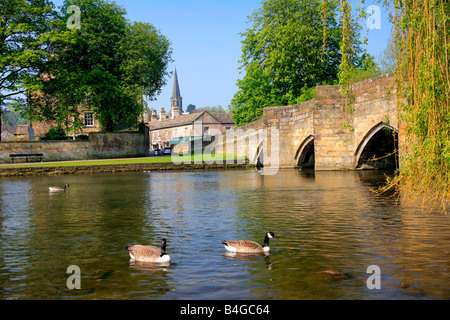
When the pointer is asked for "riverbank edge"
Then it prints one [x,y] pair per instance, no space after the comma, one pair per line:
[115,168]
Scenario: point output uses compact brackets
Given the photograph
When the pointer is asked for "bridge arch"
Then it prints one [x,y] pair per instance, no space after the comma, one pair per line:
[378,149]
[258,159]
[305,156]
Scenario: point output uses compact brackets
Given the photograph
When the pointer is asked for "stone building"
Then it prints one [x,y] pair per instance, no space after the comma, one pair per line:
[166,129]
[19,132]
[169,132]
[90,124]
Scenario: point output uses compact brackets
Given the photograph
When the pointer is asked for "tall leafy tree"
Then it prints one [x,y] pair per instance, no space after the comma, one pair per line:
[105,66]
[145,57]
[190,108]
[22,22]
[291,46]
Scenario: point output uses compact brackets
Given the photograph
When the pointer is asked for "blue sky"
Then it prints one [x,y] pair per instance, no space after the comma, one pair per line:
[207,45]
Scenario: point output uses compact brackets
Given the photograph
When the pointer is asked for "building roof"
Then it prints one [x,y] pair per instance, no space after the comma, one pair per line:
[16,130]
[223,118]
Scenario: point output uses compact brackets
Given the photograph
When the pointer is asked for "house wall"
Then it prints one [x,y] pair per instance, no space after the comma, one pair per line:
[6,136]
[159,135]
[42,127]
[196,128]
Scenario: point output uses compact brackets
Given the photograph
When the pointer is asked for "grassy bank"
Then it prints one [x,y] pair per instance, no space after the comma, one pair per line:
[187,162]
[163,159]
[89,162]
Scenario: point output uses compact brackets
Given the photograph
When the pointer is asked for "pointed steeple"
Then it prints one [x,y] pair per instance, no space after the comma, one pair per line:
[176,87]
[176,101]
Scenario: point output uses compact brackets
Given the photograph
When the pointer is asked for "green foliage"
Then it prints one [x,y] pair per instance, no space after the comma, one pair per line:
[422,55]
[366,69]
[387,60]
[146,55]
[106,67]
[215,109]
[12,114]
[55,133]
[291,46]
[21,25]
[352,70]
[190,108]
[253,95]
[306,94]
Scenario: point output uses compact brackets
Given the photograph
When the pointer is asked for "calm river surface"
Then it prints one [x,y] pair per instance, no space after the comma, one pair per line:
[326,221]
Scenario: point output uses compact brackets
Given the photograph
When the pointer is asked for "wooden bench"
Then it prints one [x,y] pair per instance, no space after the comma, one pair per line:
[26,156]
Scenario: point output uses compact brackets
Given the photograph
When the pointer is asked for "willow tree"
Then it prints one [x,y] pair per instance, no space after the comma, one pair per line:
[422,38]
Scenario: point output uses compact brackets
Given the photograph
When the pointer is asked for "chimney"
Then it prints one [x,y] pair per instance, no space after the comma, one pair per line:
[154,115]
[162,115]
[175,112]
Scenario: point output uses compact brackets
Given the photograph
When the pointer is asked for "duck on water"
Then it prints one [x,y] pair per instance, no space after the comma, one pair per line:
[149,253]
[58,189]
[248,246]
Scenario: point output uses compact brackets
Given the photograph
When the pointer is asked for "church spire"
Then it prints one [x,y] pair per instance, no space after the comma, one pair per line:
[176,87]
[176,101]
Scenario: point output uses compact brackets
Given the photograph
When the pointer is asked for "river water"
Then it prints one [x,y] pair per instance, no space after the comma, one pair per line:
[331,230]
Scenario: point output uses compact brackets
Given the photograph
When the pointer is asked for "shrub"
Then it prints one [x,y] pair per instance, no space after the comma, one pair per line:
[56,133]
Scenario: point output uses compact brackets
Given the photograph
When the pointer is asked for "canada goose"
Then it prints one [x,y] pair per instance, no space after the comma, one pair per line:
[54,189]
[149,253]
[248,246]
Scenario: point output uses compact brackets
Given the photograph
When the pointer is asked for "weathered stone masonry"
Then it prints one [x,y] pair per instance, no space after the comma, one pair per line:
[314,131]
[99,146]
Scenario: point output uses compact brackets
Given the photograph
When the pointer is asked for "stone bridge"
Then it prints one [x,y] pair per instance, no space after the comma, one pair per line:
[319,134]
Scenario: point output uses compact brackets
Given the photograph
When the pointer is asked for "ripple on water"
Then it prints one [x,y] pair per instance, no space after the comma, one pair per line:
[326,222]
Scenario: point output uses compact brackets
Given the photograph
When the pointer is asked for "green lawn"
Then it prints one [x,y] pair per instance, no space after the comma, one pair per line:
[177,159]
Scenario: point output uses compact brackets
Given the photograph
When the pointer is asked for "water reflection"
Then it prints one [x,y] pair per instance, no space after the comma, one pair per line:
[250,257]
[147,266]
[331,228]
[15,232]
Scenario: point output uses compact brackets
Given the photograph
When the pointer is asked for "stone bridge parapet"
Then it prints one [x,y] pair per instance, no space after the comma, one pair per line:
[320,134]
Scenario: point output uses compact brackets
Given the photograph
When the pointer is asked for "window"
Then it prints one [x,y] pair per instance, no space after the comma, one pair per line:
[227,128]
[176,133]
[186,132]
[167,134]
[89,119]
[205,131]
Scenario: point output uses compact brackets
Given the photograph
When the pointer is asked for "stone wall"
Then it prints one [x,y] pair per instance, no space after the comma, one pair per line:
[295,123]
[99,146]
[336,146]
[320,122]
